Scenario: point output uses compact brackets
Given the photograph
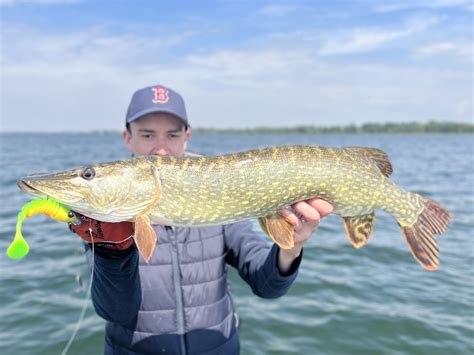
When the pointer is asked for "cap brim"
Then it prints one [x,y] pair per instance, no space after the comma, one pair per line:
[142,113]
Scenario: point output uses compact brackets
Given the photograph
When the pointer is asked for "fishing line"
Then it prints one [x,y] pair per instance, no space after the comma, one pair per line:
[86,299]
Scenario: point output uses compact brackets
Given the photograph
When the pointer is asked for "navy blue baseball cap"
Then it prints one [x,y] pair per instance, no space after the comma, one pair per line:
[156,98]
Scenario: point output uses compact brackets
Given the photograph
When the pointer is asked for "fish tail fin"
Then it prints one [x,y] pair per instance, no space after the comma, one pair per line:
[433,219]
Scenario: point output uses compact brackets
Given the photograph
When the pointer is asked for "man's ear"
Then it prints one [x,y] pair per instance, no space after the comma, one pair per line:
[187,134]
[127,137]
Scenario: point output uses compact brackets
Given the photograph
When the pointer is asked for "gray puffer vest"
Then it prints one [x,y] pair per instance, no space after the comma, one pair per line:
[184,291]
[185,305]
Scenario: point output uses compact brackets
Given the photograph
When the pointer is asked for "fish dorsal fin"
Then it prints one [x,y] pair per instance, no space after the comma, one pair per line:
[279,230]
[379,157]
[145,236]
[359,228]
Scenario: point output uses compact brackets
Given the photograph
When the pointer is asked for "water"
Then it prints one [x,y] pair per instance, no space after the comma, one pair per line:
[344,301]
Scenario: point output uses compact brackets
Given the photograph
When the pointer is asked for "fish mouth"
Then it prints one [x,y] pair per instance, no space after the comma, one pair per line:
[28,183]
[28,188]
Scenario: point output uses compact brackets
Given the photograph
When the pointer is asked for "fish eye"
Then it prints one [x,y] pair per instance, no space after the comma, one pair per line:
[88,173]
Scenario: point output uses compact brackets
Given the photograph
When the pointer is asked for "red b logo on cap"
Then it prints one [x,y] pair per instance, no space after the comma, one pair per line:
[161,95]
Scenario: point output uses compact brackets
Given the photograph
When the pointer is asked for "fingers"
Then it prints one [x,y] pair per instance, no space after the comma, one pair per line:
[301,212]
[310,211]
[289,216]
[323,207]
[305,217]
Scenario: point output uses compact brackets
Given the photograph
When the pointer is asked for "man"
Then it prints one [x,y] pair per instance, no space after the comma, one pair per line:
[179,302]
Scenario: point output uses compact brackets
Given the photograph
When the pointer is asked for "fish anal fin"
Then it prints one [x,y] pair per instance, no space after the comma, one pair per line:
[434,219]
[145,236]
[379,157]
[359,228]
[279,230]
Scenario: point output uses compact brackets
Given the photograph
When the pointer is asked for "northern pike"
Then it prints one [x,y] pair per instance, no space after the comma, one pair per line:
[203,191]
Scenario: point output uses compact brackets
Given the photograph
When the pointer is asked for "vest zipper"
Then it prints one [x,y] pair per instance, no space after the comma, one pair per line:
[177,286]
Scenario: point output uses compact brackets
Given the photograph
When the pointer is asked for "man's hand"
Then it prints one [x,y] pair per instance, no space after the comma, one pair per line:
[305,218]
[117,236]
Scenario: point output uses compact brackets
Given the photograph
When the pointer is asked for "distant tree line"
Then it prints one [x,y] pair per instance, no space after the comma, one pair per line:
[366,128]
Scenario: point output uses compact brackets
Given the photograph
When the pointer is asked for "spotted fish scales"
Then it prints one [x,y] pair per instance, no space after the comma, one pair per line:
[201,191]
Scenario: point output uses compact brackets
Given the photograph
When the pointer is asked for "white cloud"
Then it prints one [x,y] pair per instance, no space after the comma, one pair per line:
[93,45]
[421,4]
[78,81]
[83,80]
[301,89]
[459,48]
[358,40]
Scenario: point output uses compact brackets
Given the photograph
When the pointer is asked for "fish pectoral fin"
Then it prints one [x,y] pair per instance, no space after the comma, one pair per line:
[279,230]
[145,236]
[359,228]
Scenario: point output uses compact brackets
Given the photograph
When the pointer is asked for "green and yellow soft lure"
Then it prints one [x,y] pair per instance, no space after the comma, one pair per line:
[53,209]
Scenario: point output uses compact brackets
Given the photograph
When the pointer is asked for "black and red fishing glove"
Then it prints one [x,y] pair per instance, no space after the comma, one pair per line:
[113,236]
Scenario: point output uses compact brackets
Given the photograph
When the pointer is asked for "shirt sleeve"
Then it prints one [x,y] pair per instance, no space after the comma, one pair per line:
[257,261]
[116,291]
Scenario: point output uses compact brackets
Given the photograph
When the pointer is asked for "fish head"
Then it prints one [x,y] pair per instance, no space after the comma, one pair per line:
[109,192]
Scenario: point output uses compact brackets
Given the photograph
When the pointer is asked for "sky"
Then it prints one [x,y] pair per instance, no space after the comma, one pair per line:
[73,65]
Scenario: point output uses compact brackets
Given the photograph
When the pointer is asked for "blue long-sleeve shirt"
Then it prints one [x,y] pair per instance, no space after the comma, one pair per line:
[179,302]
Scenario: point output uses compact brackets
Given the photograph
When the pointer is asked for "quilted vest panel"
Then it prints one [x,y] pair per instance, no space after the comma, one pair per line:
[202,302]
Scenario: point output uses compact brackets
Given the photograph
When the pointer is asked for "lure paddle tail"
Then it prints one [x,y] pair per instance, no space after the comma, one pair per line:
[53,209]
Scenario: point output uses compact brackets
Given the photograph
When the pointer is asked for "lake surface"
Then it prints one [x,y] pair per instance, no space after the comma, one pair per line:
[345,301]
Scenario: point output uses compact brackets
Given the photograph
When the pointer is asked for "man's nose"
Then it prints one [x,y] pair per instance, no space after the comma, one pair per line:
[160,151]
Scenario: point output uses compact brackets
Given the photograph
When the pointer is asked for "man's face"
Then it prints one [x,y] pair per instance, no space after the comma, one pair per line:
[157,134]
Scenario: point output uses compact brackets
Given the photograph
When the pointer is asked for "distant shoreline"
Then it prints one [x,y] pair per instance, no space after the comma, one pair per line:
[431,127]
